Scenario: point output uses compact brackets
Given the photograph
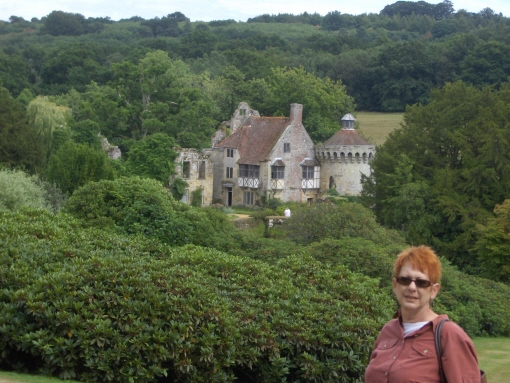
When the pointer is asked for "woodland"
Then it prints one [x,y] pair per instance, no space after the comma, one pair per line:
[106,276]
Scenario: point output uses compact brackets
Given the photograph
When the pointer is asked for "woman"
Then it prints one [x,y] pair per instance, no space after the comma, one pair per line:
[405,350]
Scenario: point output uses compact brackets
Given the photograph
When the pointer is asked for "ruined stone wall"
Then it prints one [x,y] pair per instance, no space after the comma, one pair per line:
[196,168]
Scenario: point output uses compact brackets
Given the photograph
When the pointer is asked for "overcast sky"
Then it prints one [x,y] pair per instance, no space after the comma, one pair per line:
[207,10]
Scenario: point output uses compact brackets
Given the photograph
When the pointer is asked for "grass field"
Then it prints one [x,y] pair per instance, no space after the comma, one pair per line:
[375,127]
[493,357]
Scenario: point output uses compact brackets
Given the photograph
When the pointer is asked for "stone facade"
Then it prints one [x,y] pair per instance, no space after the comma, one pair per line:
[112,152]
[254,158]
[344,157]
[196,168]
[263,158]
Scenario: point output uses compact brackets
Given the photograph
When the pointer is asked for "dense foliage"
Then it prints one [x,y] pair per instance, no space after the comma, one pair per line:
[441,175]
[18,189]
[89,304]
[129,284]
[134,205]
[327,220]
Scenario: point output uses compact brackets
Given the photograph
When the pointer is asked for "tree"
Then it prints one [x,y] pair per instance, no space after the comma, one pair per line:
[74,165]
[457,148]
[20,144]
[59,23]
[46,118]
[86,132]
[324,101]
[153,157]
[404,75]
[18,189]
[493,244]
[162,95]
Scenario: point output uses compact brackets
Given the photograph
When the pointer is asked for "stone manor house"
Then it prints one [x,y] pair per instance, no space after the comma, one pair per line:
[254,158]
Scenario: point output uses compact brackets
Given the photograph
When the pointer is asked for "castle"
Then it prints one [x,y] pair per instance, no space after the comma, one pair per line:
[274,157]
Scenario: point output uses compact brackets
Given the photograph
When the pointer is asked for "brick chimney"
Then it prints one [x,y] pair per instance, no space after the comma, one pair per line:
[296,113]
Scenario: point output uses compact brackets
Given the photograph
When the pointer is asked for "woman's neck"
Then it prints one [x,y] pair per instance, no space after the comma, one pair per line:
[411,316]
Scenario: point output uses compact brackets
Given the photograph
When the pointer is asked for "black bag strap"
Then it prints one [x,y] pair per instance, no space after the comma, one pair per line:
[437,338]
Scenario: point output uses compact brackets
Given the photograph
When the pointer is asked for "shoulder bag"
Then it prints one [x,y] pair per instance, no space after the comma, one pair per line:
[437,337]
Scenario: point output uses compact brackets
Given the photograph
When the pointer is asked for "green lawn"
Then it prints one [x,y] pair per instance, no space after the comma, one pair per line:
[12,377]
[494,358]
[375,126]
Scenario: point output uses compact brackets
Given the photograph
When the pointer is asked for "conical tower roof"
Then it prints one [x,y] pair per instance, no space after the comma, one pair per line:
[347,135]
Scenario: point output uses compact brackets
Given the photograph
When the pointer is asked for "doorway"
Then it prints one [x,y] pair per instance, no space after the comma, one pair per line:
[229,196]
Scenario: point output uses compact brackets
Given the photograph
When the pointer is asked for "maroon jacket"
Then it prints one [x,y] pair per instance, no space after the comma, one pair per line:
[414,359]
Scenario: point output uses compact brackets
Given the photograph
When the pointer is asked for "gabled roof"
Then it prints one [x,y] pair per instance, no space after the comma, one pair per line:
[347,137]
[256,138]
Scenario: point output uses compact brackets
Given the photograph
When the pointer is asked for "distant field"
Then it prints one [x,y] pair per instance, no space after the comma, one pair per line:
[375,127]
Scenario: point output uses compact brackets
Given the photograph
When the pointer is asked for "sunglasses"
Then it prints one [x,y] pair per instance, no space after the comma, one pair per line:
[406,281]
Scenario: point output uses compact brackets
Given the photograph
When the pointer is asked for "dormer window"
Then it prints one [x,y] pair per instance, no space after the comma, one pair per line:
[230,152]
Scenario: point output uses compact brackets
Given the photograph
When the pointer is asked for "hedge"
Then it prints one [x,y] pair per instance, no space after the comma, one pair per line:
[98,306]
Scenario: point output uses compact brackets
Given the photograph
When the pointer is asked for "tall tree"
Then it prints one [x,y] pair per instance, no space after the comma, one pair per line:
[458,153]
[74,165]
[20,145]
[153,157]
[324,101]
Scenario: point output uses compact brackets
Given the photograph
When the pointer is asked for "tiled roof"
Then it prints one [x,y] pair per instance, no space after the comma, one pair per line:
[255,139]
[347,137]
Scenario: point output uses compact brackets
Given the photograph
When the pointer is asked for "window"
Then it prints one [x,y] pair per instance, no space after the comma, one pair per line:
[230,152]
[230,172]
[249,171]
[242,112]
[201,170]
[286,147]
[277,172]
[308,172]
[248,198]
[186,169]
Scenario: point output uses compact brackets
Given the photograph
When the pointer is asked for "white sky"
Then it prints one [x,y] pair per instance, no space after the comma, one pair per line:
[207,10]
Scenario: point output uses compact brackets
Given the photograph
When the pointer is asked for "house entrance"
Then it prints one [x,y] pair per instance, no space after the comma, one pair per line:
[229,196]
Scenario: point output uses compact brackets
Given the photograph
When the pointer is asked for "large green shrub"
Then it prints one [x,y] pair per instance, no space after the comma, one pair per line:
[73,165]
[19,189]
[97,306]
[135,205]
[327,220]
[474,303]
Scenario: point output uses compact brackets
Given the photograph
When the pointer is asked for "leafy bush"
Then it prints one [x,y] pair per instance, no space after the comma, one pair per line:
[358,254]
[196,197]
[97,306]
[135,205]
[18,189]
[177,188]
[73,165]
[473,303]
[326,220]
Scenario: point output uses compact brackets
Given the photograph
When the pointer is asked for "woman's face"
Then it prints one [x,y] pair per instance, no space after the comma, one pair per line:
[414,299]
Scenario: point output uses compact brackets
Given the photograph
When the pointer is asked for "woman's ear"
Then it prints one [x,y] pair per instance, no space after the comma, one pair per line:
[435,289]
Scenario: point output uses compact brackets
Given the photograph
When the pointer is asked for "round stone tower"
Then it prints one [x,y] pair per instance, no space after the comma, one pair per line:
[343,158]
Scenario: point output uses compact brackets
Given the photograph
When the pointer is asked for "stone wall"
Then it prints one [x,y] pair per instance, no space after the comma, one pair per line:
[196,168]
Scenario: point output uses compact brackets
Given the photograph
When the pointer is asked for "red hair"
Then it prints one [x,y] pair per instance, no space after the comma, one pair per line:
[421,258]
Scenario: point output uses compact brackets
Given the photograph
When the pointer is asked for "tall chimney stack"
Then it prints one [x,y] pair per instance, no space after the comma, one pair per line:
[296,113]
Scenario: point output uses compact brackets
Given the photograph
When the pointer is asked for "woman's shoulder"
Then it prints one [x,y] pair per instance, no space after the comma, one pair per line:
[452,331]
[392,327]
